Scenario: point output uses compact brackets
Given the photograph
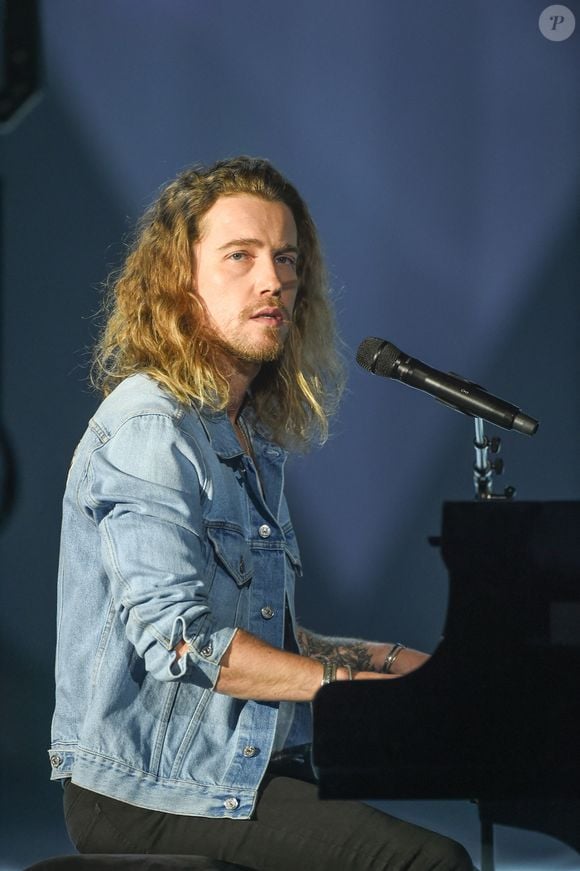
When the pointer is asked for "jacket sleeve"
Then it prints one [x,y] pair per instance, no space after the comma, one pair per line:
[145,487]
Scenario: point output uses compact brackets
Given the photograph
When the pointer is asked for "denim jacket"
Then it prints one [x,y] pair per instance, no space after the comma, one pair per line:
[168,534]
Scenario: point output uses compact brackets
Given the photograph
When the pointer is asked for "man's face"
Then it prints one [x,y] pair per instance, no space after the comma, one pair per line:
[245,273]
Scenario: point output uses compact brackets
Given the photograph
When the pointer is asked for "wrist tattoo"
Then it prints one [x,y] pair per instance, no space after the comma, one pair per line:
[345,652]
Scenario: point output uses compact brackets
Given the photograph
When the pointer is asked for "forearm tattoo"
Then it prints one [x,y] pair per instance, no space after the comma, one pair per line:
[344,651]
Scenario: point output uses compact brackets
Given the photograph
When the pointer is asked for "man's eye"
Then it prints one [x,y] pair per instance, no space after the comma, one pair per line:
[286,260]
[237,255]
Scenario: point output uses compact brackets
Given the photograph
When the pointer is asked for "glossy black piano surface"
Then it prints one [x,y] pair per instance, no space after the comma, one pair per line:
[495,713]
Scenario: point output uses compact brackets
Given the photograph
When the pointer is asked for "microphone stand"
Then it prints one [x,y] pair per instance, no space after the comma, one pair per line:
[484,469]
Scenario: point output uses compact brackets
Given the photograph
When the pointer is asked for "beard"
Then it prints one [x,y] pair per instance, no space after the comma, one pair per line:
[267,348]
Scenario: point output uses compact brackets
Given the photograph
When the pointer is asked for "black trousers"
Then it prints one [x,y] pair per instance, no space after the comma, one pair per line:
[292,830]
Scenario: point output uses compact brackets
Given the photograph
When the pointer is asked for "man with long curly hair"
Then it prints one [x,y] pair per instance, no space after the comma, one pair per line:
[182,716]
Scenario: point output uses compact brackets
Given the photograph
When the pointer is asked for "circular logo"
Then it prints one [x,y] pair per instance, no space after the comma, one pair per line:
[557,23]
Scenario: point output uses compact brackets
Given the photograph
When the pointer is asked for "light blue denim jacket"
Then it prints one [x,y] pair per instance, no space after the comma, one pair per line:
[168,534]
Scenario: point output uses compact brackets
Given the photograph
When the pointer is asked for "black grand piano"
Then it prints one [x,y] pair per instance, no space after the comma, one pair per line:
[494,715]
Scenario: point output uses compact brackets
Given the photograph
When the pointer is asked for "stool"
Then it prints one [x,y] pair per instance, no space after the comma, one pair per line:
[132,862]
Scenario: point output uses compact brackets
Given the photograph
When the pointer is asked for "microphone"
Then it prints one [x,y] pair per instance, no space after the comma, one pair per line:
[383,358]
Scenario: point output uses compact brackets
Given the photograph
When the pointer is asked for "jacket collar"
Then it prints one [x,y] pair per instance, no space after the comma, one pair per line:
[223,440]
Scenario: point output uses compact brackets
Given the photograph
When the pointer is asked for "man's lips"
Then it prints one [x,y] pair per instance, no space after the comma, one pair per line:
[270,315]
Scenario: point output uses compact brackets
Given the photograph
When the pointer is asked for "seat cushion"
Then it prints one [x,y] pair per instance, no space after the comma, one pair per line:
[131,862]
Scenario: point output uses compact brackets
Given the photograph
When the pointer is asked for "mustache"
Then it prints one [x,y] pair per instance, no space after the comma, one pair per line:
[252,310]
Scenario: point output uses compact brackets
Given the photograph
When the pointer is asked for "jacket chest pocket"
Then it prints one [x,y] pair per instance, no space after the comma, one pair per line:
[232,552]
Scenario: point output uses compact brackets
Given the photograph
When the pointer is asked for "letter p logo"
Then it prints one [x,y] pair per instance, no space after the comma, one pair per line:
[557,23]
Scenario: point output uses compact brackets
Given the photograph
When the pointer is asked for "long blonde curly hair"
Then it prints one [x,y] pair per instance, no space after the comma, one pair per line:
[156,324]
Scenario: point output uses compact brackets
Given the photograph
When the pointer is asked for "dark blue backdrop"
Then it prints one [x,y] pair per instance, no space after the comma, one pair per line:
[437,145]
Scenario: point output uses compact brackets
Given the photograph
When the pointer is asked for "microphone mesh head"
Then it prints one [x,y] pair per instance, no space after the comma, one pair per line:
[378,356]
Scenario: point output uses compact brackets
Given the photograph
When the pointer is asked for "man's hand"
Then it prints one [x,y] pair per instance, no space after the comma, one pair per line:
[407,660]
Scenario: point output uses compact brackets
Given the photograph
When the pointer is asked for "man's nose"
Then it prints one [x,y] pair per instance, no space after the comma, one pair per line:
[269,281]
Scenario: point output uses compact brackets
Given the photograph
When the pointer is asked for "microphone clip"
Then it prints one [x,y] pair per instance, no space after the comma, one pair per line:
[484,469]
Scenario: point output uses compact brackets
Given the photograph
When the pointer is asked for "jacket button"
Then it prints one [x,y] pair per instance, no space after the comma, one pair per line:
[267,612]
[249,751]
[231,804]
[264,531]
[56,760]
[207,650]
